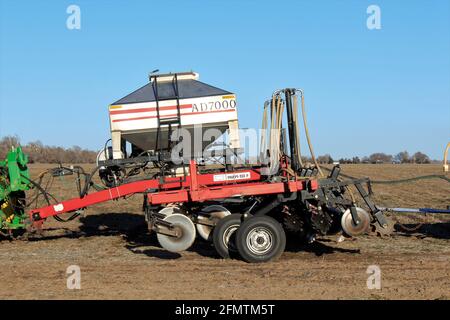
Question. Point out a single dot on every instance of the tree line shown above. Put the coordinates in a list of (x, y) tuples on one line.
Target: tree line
[(39, 153), (379, 157)]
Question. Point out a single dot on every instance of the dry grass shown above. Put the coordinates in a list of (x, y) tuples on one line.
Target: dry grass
[(118, 260), (422, 193)]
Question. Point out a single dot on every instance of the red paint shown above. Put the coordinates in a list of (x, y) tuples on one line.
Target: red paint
[(126, 111), (313, 185), (173, 115), (194, 187), (194, 175), (172, 190)]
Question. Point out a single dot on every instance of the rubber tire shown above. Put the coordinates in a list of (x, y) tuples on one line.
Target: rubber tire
[(271, 225), (219, 230)]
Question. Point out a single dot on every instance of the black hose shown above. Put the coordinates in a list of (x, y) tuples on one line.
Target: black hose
[(47, 199), (430, 176)]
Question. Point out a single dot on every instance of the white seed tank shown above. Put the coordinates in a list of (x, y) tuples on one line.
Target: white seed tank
[(171, 101)]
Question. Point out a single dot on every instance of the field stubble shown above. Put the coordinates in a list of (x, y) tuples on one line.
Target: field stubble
[(118, 260)]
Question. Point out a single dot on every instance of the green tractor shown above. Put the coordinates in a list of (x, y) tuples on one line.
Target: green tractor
[(14, 181)]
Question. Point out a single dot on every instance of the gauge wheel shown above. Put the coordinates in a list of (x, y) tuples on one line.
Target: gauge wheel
[(260, 239)]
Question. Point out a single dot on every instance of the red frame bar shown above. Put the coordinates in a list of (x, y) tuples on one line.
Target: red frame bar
[(195, 187)]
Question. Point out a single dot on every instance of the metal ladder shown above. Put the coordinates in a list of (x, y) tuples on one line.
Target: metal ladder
[(170, 122)]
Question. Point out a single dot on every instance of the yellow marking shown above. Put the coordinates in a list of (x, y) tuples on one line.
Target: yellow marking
[(228, 97), (115, 107)]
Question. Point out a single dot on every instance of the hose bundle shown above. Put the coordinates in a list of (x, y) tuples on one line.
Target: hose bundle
[(272, 149)]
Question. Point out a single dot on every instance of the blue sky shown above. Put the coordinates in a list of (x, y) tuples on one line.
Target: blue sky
[(366, 90)]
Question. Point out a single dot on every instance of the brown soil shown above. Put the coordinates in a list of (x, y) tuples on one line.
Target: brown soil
[(120, 260)]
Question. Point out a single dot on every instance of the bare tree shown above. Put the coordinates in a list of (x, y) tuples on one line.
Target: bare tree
[(6, 143), (356, 160), (38, 152), (380, 157), (402, 157), (325, 159), (420, 157)]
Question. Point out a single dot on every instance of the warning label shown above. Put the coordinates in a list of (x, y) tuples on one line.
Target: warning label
[(231, 176)]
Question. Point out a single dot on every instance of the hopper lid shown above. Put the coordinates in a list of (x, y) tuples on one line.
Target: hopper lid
[(188, 87)]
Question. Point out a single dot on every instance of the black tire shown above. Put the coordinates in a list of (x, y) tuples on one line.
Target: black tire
[(224, 237), (256, 229)]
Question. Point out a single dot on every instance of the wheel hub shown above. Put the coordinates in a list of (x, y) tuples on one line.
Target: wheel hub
[(228, 234), (259, 241)]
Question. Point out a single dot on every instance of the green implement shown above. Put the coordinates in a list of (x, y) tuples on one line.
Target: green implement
[(14, 181)]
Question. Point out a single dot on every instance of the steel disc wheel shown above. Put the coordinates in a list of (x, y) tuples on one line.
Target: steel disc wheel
[(260, 239), (349, 226), (211, 213), (186, 238), (169, 210)]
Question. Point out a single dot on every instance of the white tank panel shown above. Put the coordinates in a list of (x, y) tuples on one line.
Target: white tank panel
[(134, 118), (205, 110)]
